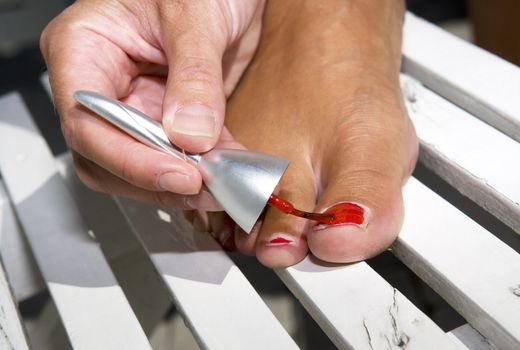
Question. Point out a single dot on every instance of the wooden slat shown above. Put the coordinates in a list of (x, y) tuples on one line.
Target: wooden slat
[(358, 309), (124, 252), (472, 78), (469, 338), (23, 274), (217, 302), (12, 336), (475, 272), (475, 158), (92, 306)]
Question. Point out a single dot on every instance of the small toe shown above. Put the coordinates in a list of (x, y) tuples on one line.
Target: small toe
[(281, 241)]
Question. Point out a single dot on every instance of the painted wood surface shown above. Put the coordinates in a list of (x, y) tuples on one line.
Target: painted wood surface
[(92, 306), (130, 263), (475, 158), (218, 304), (468, 338), (358, 309), (475, 272), (472, 78), (21, 270), (12, 336)]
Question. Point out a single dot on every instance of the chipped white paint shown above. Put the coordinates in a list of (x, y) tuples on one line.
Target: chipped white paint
[(470, 268), (218, 304), (477, 159), (358, 309), (12, 336), (472, 78)]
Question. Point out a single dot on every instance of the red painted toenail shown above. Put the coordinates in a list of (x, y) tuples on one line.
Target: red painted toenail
[(346, 213), (339, 214), (279, 240)]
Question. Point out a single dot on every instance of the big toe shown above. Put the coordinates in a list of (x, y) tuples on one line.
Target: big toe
[(371, 213), (365, 194)]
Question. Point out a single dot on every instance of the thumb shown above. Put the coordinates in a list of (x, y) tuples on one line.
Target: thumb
[(194, 101)]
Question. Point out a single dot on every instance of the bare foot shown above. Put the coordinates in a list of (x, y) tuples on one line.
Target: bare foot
[(323, 91)]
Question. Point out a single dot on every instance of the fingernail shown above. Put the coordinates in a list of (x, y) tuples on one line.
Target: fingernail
[(177, 183), (193, 120), (347, 213), (279, 239)]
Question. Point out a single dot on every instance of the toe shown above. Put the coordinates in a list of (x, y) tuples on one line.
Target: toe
[(367, 190), (281, 241), (374, 217)]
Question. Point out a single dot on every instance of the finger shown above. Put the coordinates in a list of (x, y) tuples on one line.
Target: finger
[(99, 179), (194, 102), (222, 227), (198, 218)]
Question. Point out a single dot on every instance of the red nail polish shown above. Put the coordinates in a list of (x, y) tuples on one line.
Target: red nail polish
[(279, 240), (341, 213), (346, 213)]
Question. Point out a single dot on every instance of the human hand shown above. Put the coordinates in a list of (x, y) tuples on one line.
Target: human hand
[(175, 60)]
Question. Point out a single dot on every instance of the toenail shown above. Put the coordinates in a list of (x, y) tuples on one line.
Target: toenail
[(346, 213), (280, 239)]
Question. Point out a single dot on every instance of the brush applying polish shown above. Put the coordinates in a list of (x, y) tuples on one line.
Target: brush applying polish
[(341, 213)]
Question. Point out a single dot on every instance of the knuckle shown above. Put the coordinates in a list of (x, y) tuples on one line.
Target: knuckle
[(197, 70)]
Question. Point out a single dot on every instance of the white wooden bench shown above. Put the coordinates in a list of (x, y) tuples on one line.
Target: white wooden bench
[(113, 266)]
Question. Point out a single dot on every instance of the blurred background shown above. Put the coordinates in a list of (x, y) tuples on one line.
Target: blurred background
[(493, 25)]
